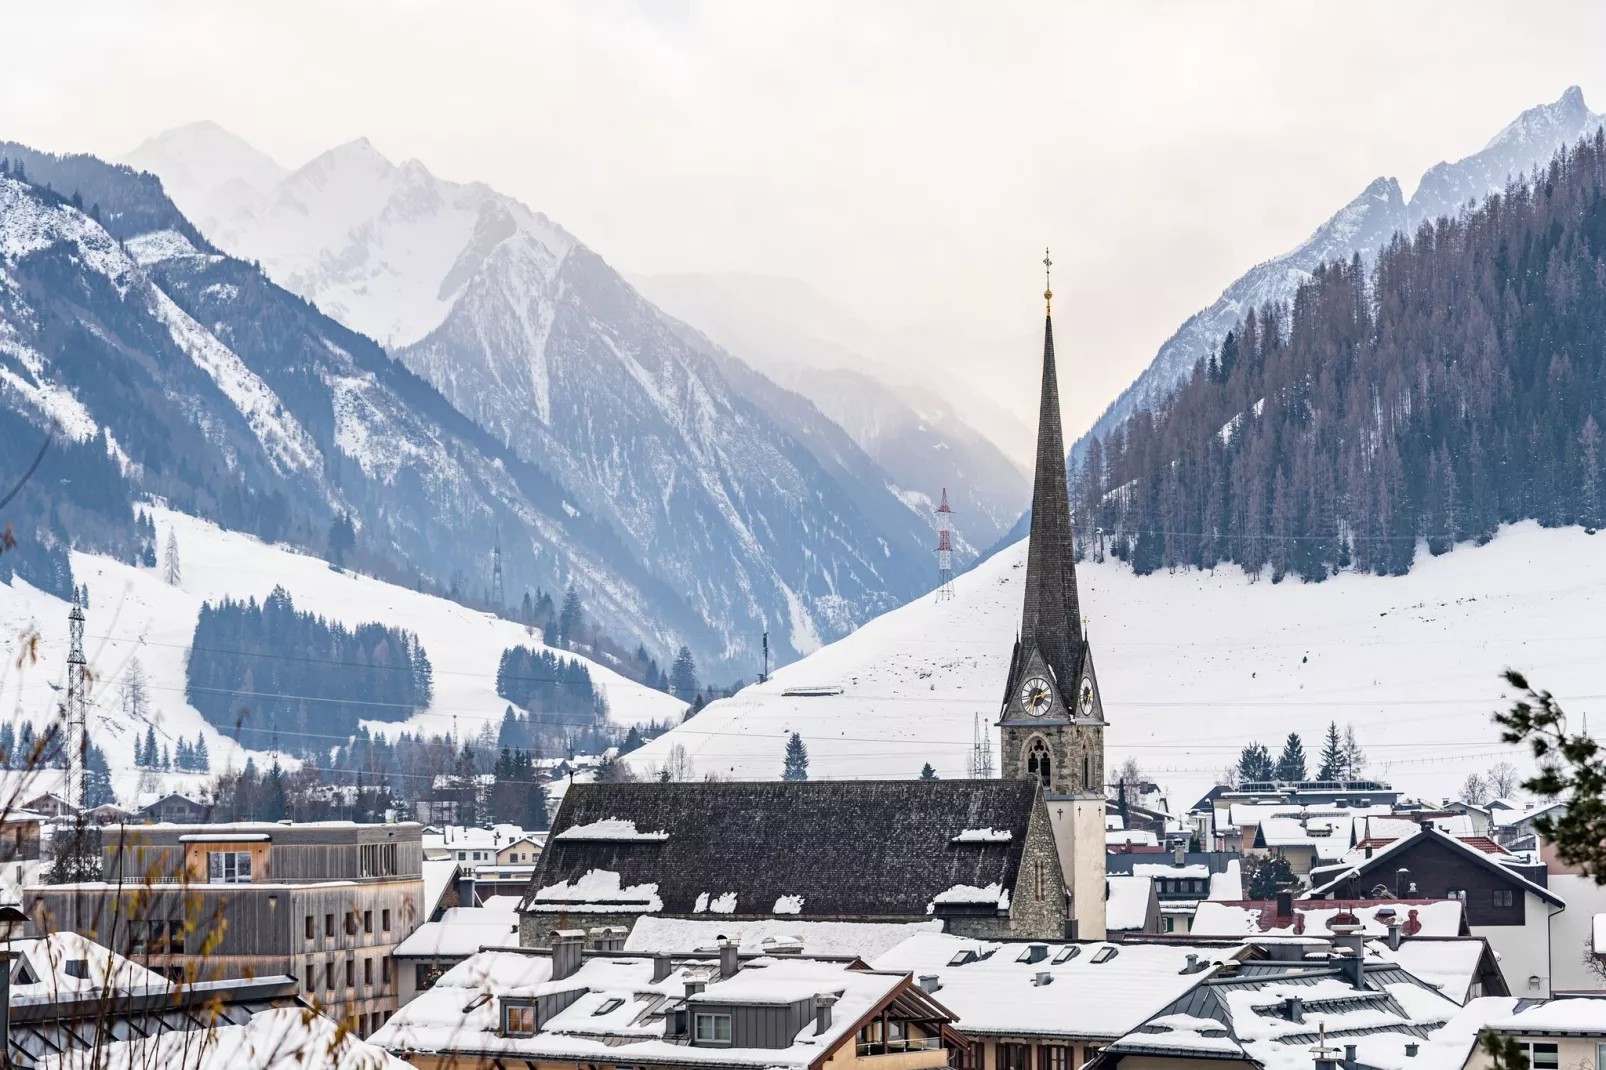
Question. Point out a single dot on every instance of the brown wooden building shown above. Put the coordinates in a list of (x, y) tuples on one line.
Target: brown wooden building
[(323, 902)]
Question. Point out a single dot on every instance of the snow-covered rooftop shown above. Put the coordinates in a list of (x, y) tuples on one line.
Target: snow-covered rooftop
[(1127, 907), (651, 935), (1098, 990), (461, 932), (289, 1038)]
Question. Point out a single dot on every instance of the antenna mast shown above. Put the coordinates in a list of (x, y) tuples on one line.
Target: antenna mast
[(77, 678), (981, 752), (945, 550)]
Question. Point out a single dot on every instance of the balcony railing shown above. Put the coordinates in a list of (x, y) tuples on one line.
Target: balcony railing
[(894, 1047)]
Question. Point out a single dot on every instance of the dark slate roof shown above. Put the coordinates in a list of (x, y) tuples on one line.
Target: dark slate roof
[(849, 848), (1326, 879), (1051, 618)]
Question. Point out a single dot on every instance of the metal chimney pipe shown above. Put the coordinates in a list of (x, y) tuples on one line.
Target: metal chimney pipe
[(822, 1012), (568, 946)]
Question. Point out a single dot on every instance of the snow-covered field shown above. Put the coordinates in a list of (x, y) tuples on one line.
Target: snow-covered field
[(134, 614), (1194, 665)]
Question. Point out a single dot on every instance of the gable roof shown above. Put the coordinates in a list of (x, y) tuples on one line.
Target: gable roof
[(1331, 876), (865, 849)]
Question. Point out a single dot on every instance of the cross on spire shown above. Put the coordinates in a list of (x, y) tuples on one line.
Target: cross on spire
[(1048, 289)]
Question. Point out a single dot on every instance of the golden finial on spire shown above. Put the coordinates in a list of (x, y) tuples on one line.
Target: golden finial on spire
[(1048, 289)]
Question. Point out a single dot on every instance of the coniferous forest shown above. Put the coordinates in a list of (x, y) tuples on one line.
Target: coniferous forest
[(1457, 384), (557, 693), (295, 681)]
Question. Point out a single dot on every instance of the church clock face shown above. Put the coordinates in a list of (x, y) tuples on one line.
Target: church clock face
[(1087, 698), (1036, 696)]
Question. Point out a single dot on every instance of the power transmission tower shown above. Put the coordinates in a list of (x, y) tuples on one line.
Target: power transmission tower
[(945, 550), (496, 571), (981, 752), (77, 678)]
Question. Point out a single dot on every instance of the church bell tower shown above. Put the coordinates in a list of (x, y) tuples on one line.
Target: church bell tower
[(1052, 718)]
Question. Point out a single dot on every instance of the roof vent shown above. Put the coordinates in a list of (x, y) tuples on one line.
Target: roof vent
[(1411, 1050), (693, 988), (1294, 1007), (1036, 952), (1043, 978), (822, 1012), (930, 982)]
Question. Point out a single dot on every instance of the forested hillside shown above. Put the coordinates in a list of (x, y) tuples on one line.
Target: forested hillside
[(1454, 386), (277, 677)]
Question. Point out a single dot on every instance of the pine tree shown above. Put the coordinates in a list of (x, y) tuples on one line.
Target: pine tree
[(633, 741), (927, 772), (1333, 766), (797, 759), (683, 676), (572, 618), (1291, 763), (342, 538), (167, 759), (172, 574), (1255, 764), (147, 759), (202, 761), (8, 746)]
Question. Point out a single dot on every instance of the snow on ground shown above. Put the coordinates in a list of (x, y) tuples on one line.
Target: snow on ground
[(133, 613), (1193, 665)]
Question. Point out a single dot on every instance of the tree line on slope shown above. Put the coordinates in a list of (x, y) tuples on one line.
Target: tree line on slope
[(278, 677), (1457, 384)]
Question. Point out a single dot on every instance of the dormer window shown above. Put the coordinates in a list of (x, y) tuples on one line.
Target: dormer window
[(712, 1028), (518, 1019)]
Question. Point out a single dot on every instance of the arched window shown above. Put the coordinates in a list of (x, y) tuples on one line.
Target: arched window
[(1037, 760)]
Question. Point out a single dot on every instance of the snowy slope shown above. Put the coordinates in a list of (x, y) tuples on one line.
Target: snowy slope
[(1194, 665), (134, 614), (1363, 226)]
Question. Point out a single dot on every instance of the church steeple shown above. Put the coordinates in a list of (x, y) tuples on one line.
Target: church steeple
[(1051, 617)]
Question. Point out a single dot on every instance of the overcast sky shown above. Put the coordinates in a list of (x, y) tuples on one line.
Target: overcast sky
[(908, 160)]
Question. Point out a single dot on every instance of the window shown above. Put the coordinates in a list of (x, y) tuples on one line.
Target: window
[(1054, 1057), (351, 923), (329, 976), (329, 926), (1600, 1057), (384, 920), (384, 970), (1169, 924), (426, 976), (312, 927), (1542, 1056), (1502, 897), (367, 971), (609, 1005), (312, 977), (1456, 893), (1037, 761), (1037, 874), (1088, 1053), (1067, 954), (1104, 954), (368, 921), (713, 1028), (351, 973), (175, 938), (228, 867), (518, 1019), (1014, 1057)]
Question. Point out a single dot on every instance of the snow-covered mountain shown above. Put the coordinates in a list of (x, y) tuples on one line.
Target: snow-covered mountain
[(133, 615), (792, 334), (538, 341), (1194, 665), (1363, 226), (177, 372)]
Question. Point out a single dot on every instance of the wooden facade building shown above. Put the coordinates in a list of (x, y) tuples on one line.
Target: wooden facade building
[(323, 902)]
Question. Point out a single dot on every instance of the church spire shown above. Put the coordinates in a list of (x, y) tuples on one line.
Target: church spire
[(1051, 619)]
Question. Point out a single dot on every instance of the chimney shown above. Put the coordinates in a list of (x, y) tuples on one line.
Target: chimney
[(930, 982), (822, 1012), (1349, 947), (1285, 904), (1295, 1008), (1180, 854), (1410, 1051), (693, 988), (1391, 920), (1193, 963), (567, 947), (727, 959), (1349, 1057), (662, 967)]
